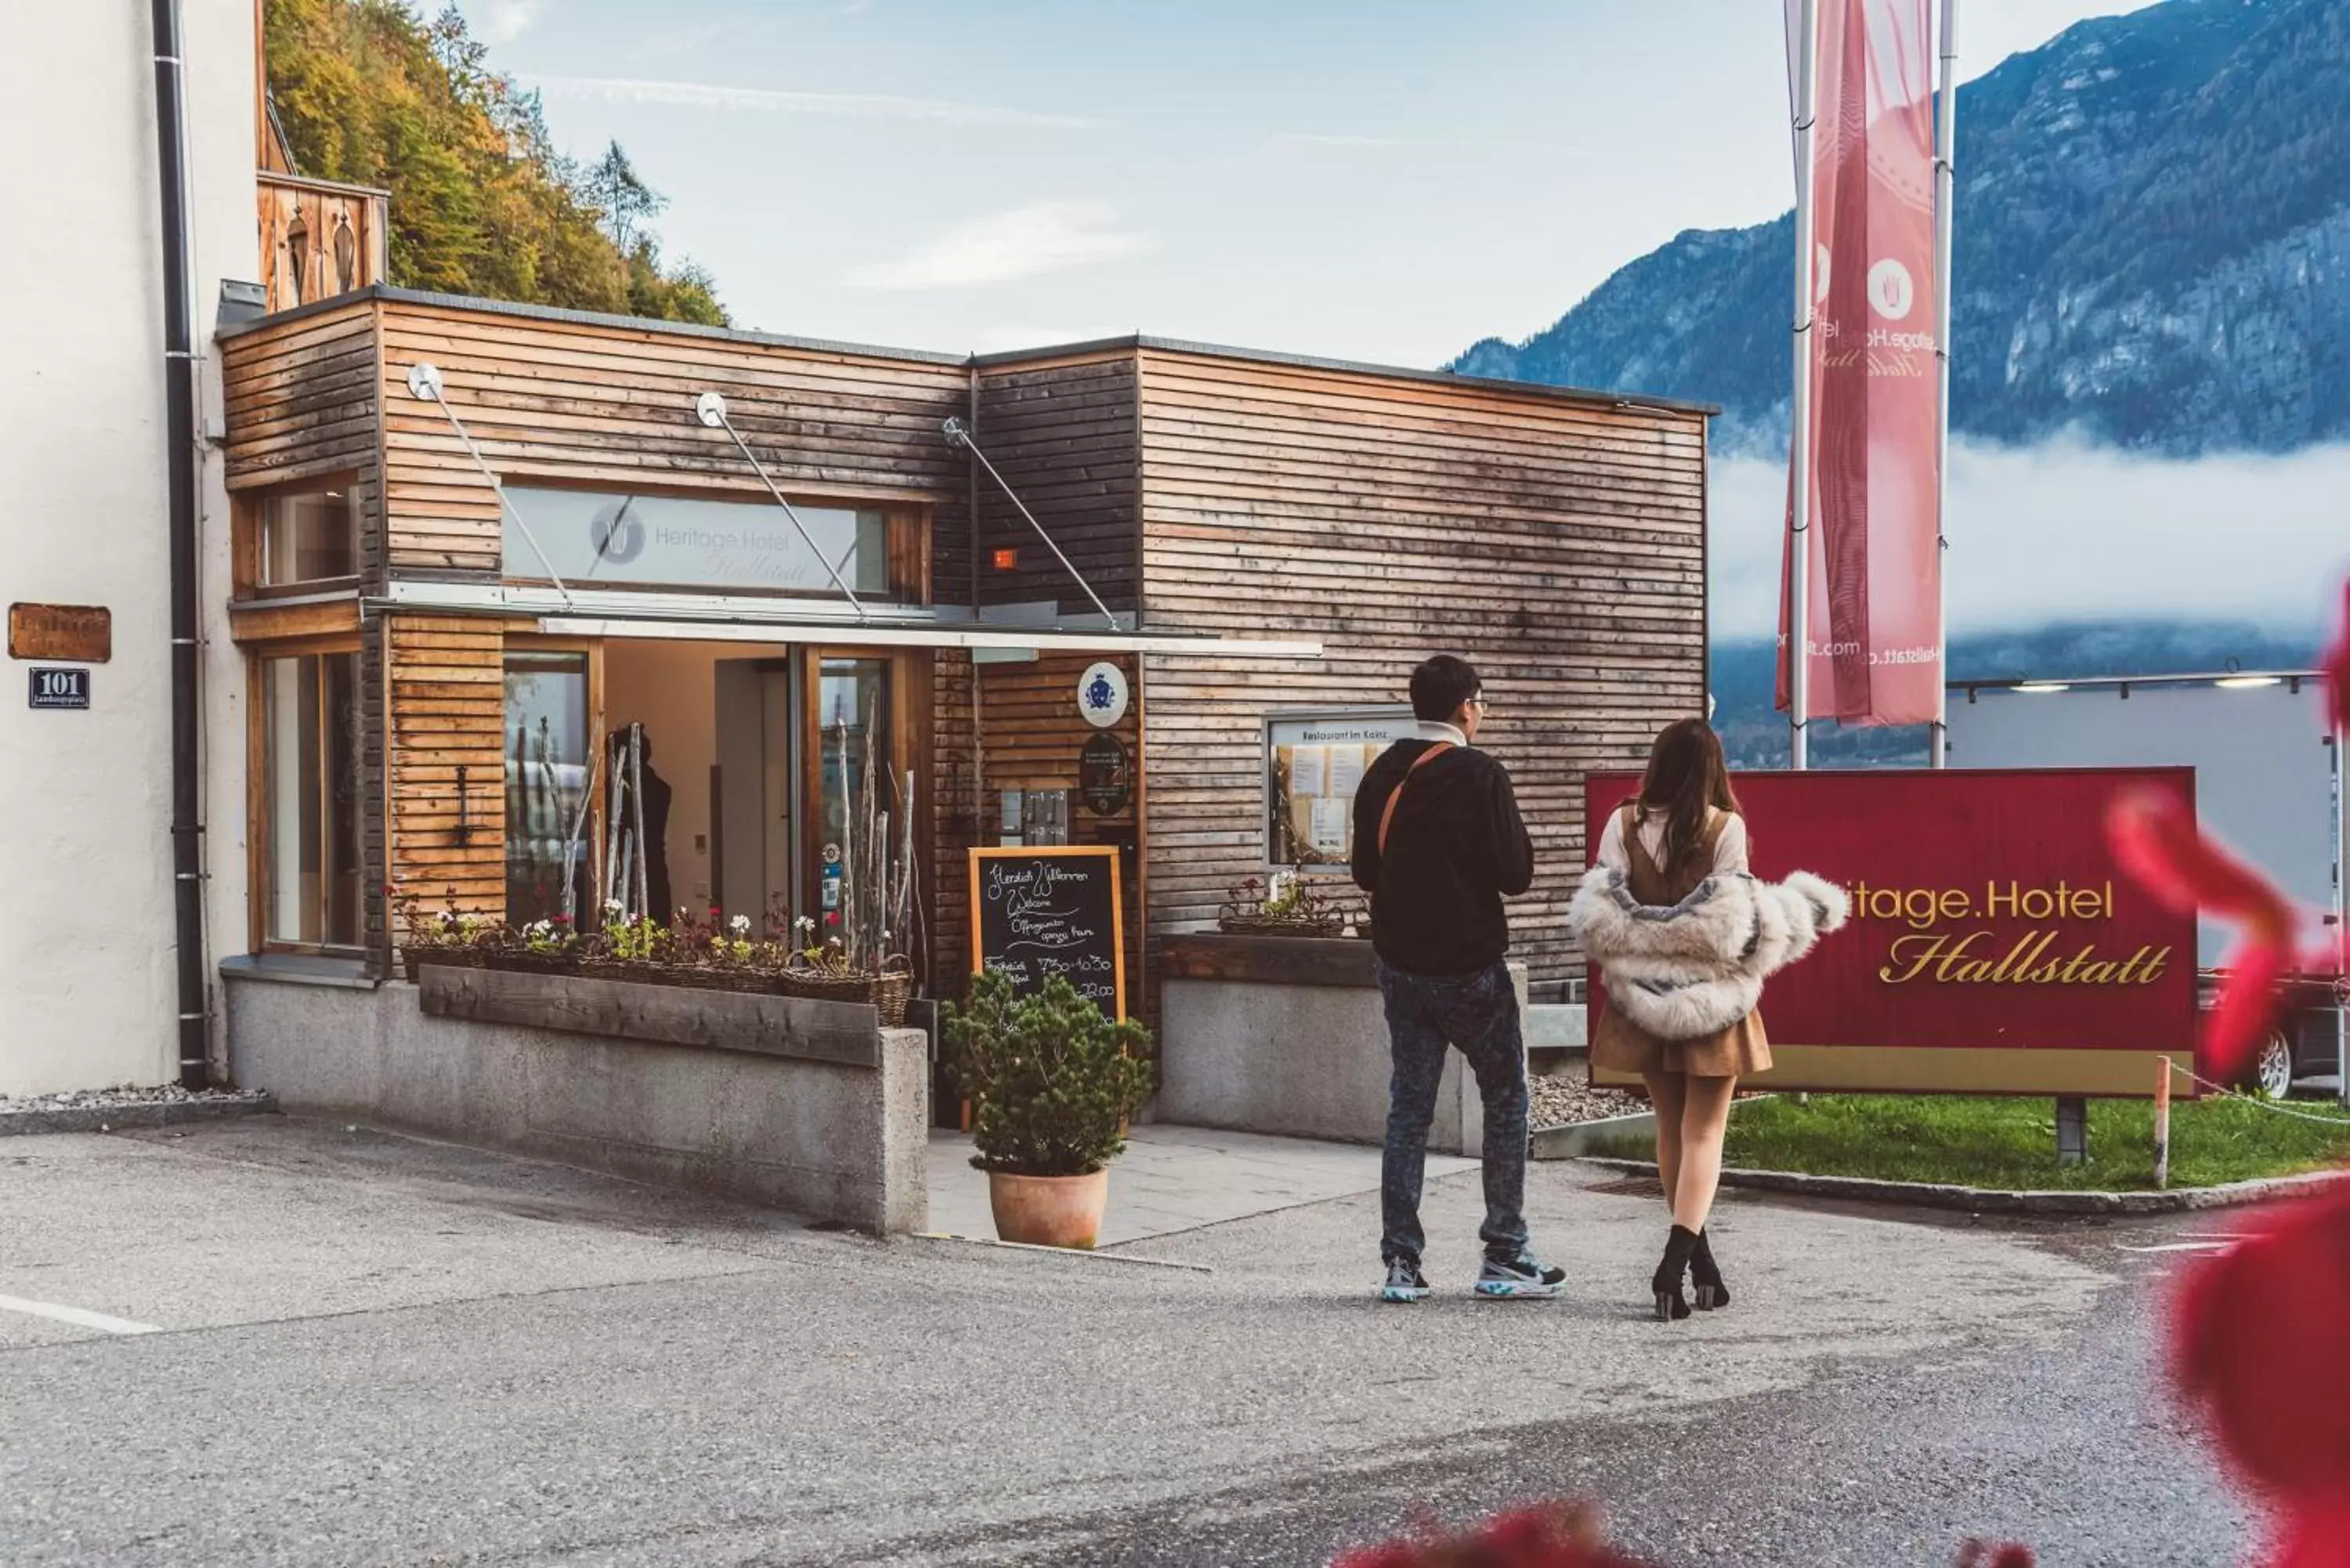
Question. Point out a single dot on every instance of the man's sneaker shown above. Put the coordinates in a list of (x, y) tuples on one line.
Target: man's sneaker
[(1505, 1279), (1405, 1282)]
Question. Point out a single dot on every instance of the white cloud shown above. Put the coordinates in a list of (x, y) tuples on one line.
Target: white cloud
[(776, 100), (1048, 236), (2066, 531), (503, 21)]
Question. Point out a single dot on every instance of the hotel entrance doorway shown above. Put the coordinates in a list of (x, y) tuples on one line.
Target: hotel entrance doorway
[(793, 739)]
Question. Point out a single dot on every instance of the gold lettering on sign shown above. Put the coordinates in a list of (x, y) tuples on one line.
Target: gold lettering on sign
[(1931, 951)]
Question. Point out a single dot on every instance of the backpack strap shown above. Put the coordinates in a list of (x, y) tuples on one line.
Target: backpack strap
[(1396, 793)]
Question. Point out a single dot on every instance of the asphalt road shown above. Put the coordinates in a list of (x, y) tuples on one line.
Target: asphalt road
[(369, 1350)]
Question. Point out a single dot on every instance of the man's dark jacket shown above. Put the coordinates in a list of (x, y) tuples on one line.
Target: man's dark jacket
[(1456, 844)]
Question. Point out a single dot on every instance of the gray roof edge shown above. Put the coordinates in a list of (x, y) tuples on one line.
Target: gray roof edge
[(1349, 367), (475, 303), (1129, 343)]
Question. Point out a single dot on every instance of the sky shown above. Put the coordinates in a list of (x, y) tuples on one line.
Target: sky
[(1364, 178), (1367, 180)]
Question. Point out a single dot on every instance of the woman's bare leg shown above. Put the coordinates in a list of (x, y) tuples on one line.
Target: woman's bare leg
[(1705, 1118), (1667, 1094)]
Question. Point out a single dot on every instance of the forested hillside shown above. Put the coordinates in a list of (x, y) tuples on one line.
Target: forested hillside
[(481, 202)]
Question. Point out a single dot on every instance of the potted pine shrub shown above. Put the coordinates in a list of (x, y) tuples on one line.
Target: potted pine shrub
[(1051, 1080)]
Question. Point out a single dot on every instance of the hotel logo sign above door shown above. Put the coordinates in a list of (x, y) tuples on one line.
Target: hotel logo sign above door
[(1102, 695), (597, 538)]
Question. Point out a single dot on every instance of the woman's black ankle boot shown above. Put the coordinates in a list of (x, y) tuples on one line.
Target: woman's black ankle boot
[(1705, 1274), (1672, 1304)]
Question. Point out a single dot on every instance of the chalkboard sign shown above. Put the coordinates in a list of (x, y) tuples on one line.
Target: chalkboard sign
[(1040, 911)]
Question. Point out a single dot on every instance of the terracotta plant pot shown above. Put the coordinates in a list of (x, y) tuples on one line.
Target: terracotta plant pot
[(1048, 1210)]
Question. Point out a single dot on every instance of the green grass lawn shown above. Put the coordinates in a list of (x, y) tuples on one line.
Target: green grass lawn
[(2012, 1143)]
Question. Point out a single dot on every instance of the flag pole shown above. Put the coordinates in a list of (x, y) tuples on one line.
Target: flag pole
[(1799, 554), (1946, 182)]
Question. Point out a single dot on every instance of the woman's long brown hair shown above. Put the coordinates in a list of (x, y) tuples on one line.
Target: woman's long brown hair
[(1686, 775)]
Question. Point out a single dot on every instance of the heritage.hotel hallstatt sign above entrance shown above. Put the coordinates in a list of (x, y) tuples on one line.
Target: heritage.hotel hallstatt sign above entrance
[(1994, 947)]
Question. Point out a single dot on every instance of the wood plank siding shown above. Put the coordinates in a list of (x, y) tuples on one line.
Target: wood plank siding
[(1030, 733), (1557, 544), (301, 397), (446, 734), (318, 239), (606, 406), (1063, 435), (1557, 539)]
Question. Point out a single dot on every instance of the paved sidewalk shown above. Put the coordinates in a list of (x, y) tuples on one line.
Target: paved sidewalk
[(1175, 1178), (360, 1350)]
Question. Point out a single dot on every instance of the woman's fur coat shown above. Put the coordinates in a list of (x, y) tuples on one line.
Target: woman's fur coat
[(1695, 969)]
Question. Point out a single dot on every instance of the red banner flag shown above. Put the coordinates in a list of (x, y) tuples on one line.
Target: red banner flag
[(1874, 613)]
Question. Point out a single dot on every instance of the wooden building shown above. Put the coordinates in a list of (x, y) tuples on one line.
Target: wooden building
[(1240, 534)]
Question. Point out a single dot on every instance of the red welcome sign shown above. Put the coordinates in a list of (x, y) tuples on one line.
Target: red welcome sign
[(1994, 946)]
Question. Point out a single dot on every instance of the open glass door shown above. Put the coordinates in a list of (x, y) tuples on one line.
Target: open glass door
[(852, 720)]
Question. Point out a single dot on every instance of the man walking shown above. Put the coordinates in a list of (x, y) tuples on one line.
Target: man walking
[(1438, 844)]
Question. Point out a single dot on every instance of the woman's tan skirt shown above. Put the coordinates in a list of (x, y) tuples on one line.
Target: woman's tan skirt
[(1620, 1045)]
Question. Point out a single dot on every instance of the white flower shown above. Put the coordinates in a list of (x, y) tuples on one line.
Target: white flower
[(739, 925), (612, 906)]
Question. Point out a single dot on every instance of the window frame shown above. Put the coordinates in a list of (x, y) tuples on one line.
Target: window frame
[(592, 651), (249, 551), (906, 535), (260, 880)]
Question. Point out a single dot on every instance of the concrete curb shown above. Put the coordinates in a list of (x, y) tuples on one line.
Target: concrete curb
[(1992, 1200), (128, 1117), (1574, 1140)]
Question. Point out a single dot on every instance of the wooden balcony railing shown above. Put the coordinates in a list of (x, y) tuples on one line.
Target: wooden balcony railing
[(319, 239)]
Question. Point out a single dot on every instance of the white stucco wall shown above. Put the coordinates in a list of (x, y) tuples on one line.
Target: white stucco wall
[(87, 994)]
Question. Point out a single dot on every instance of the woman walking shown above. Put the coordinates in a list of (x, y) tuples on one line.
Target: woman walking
[(1684, 935)]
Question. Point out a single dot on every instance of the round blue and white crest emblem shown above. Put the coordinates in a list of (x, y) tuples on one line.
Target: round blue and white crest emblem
[(1101, 695)]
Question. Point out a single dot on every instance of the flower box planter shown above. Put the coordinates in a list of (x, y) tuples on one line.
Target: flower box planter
[(887, 993), (1279, 926), (413, 959)]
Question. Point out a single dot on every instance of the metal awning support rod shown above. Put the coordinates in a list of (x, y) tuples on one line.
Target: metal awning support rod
[(711, 410), (959, 434), (424, 384)]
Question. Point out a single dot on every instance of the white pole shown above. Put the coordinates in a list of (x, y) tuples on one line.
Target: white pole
[(1946, 182), (1799, 582)]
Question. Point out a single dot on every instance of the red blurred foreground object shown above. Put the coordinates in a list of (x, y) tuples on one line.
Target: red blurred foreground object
[(1985, 1554), (2257, 1342), (1567, 1535), (1551, 1535), (2161, 848)]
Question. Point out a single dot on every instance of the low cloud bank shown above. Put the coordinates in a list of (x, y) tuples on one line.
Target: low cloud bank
[(2070, 531)]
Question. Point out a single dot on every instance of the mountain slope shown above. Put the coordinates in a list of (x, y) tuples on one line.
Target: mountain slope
[(2097, 285)]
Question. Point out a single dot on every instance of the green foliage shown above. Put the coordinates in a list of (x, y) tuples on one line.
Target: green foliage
[(1051, 1079), (2012, 1143), (482, 203)]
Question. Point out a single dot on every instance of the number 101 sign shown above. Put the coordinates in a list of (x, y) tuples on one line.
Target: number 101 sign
[(59, 687)]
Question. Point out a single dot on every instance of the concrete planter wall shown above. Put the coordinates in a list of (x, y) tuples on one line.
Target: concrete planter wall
[(1288, 1035), (809, 1105)]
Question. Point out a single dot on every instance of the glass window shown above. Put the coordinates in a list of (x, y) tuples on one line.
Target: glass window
[(663, 541), (307, 537), (310, 799), (546, 784), (853, 735)]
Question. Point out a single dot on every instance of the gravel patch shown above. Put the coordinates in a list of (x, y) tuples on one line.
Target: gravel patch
[(125, 1105), (1563, 1098)]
